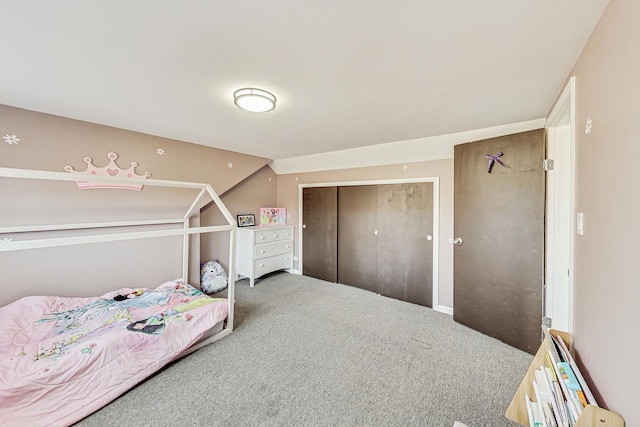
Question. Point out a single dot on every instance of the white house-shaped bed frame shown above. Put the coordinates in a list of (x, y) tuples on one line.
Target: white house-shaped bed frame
[(185, 231)]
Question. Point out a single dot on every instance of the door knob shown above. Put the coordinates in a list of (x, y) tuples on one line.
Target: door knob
[(457, 241)]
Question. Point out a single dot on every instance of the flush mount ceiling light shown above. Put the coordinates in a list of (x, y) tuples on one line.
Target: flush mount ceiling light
[(254, 100)]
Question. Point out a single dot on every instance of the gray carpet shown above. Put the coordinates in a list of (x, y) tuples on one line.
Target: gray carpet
[(310, 353)]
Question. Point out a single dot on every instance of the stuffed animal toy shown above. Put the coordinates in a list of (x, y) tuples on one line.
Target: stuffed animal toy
[(212, 277)]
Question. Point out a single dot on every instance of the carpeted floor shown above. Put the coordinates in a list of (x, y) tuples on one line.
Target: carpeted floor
[(310, 353)]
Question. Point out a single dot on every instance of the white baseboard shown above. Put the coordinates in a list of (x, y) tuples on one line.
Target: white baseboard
[(294, 271), (444, 309)]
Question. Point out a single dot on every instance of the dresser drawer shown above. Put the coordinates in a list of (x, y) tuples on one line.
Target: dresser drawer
[(274, 248), (267, 265), (264, 236)]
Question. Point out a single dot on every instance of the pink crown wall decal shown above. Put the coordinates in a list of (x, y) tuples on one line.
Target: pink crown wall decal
[(111, 170)]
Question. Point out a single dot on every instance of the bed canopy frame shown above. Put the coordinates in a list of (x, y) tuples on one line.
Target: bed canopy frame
[(10, 244)]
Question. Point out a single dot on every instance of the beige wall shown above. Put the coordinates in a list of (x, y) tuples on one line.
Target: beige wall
[(607, 269), (288, 190), (50, 143), (259, 190)]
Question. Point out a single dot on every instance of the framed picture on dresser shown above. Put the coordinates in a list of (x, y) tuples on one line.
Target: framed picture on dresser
[(246, 220), (273, 216)]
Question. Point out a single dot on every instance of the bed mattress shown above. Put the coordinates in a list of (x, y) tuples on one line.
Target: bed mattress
[(63, 358)]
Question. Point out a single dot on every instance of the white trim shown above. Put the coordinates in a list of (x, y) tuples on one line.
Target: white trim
[(444, 309), (564, 113), (369, 182), (563, 110), (436, 220), (413, 150)]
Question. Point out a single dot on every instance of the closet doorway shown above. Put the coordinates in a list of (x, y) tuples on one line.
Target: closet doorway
[(380, 236)]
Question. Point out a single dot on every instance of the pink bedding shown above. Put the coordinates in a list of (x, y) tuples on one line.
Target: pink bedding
[(64, 358)]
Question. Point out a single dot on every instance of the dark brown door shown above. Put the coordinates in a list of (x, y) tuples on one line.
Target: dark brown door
[(405, 246), (384, 240), (320, 233), (498, 268), (357, 241)]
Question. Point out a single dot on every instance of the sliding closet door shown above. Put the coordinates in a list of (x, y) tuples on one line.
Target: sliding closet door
[(357, 240), (405, 245), (320, 233), (373, 237)]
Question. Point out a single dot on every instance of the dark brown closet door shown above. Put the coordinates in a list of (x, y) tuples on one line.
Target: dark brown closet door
[(320, 233), (405, 251), (498, 268), (357, 241)]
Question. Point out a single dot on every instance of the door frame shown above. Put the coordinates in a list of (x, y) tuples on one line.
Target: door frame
[(558, 297), (436, 223)]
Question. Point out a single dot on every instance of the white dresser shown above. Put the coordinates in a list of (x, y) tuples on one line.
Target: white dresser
[(263, 249)]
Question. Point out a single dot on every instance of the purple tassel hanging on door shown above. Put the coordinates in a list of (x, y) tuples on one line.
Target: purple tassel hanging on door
[(493, 159)]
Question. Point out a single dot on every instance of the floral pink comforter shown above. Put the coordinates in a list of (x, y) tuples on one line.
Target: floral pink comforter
[(63, 358)]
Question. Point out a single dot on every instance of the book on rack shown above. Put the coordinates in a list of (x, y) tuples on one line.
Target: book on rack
[(586, 396), (549, 394), (533, 412), (546, 415), (560, 397)]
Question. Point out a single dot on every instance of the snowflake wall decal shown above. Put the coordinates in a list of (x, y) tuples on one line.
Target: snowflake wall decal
[(11, 139), (229, 165), (6, 240), (160, 151), (587, 129)]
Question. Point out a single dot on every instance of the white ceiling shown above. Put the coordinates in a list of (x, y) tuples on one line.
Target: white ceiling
[(347, 74)]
